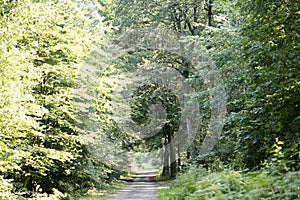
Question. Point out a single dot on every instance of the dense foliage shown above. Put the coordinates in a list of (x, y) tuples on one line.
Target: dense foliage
[(255, 46), (42, 151), (59, 78), (228, 184)]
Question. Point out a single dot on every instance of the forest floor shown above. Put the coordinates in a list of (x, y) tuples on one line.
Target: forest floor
[(139, 187)]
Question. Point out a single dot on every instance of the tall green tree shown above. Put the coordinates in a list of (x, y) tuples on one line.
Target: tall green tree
[(42, 150), (271, 98), (189, 19)]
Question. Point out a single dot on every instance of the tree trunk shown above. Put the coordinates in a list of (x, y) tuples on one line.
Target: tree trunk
[(172, 155), (173, 161), (166, 163), (209, 12), (178, 159)]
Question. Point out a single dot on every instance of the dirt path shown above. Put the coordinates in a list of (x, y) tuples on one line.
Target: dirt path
[(140, 187)]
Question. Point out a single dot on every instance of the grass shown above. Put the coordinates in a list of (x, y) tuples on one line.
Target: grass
[(94, 194), (93, 197)]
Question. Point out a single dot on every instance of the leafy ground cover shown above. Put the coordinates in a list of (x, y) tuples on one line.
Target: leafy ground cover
[(199, 183), (94, 194)]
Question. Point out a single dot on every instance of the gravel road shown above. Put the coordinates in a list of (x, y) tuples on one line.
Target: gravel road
[(141, 186)]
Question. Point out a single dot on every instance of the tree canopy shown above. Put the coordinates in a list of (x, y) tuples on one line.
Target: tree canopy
[(204, 85)]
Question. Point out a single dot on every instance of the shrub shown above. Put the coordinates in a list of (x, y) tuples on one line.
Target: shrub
[(200, 184)]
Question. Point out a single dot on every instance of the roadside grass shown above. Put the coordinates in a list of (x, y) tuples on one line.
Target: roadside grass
[(95, 194)]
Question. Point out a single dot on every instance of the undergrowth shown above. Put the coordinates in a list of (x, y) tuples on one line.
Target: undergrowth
[(198, 184), (95, 194)]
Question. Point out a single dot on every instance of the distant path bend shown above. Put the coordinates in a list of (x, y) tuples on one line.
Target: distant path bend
[(141, 186)]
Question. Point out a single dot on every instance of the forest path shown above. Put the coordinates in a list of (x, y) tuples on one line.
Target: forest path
[(141, 186)]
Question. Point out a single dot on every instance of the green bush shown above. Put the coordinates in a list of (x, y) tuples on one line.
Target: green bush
[(5, 189), (200, 184)]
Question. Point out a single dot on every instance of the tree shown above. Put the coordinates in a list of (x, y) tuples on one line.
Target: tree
[(270, 52), (41, 147), (189, 19), (146, 96)]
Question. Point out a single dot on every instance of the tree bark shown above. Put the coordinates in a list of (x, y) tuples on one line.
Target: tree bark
[(173, 167), (178, 159), (166, 163), (209, 12)]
